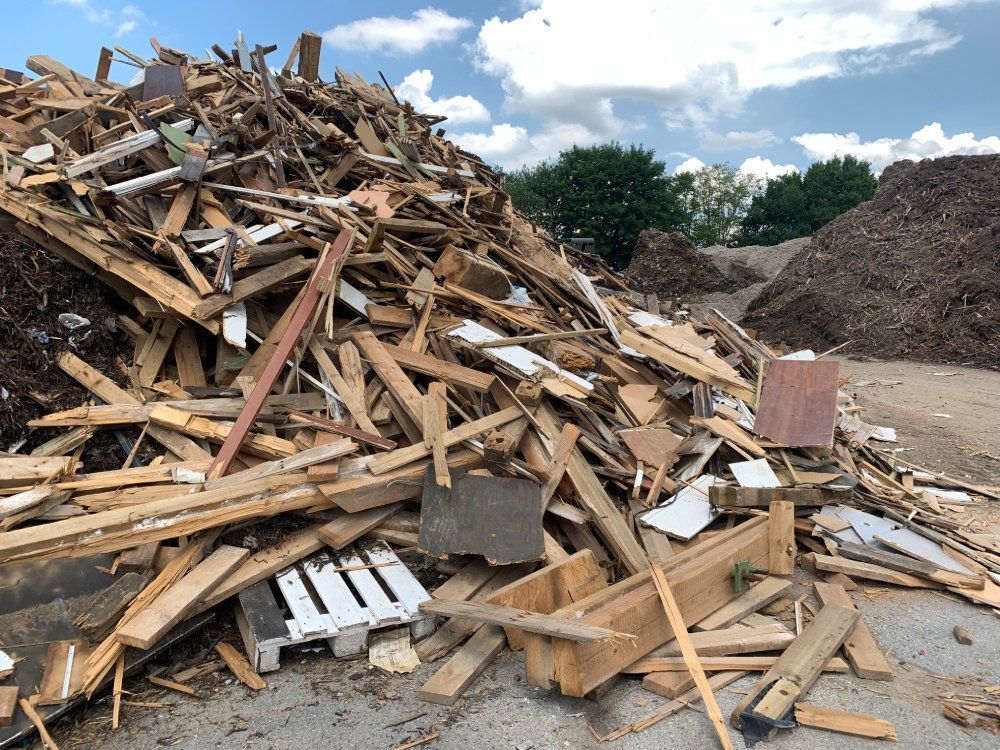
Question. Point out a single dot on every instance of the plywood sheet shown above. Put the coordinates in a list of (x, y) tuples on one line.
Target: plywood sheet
[(798, 403), (496, 517)]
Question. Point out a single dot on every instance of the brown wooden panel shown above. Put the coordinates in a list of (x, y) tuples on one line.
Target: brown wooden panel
[(798, 403)]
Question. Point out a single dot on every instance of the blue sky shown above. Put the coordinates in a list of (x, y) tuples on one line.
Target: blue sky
[(768, 86)]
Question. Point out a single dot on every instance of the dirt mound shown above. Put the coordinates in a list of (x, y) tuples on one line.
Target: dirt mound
[(751, 267), (669, 265), (913, 273), (35, 289)]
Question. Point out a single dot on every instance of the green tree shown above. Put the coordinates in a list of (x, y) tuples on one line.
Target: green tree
[(607, 192), (797, 205), (716, 199)]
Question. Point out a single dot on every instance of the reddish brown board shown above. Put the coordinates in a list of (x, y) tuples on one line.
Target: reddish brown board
[(798, 403)]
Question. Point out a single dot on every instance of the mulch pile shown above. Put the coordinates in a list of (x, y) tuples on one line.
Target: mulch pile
[(35, 289), (911, 274), (669, 265)]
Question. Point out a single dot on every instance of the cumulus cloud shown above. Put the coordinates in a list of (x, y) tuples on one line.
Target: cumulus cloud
[(691, 164), (416, 89), (512, 146), (124, 20), (928, 142), (425, 27), (738, 139), (569, 60), (765, 169)]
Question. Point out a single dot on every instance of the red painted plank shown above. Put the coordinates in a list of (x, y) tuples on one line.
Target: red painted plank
[(302, 315)]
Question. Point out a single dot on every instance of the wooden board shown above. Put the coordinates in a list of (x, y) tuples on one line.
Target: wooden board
[(719, 664), (799, 666), (497, 517), (8, 704), (448, 683), (798, 403), (844, 722), (731, 496), (781, 560), (760, 595), (350, 526), (170, 607), (862, 650), (701, 579)]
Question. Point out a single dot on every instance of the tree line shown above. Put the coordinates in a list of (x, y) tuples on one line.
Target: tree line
[(611, 193)]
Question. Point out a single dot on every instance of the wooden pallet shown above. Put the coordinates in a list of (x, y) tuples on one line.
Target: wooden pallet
[(341, 607)]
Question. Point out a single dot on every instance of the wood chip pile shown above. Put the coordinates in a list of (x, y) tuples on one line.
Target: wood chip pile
[(337, 317)]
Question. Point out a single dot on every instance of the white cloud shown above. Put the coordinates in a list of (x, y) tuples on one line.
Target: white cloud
[(738, 139), (928, 142), (416, 88), (512, 146), (423, 28), (691, 164), (569, 60), (125, 20), (765, 169)]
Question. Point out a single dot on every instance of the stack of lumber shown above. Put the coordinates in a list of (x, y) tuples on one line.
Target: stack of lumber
[(338, 316)]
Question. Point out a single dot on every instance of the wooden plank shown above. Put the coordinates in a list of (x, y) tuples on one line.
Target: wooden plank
[(189, 368), (737, 639), (390, 373), (170, 607), (798, 667), (264, 564), (781, 556), (403, 456), (731, 496), (562, 452), (446, 686), (701, 579), (731, 432), (440, 370), (239, 666), (592, 497), (798, 403), (720, 664), (550, 588), (862, 651), (677, 361), (750, 601), (844, 722), (857, 569), (252, 285), (532, 622), (350, 526), (690, 656), (310, 47), (303, 313)]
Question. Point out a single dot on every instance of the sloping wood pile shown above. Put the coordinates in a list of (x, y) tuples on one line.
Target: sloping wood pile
[(338, 313)]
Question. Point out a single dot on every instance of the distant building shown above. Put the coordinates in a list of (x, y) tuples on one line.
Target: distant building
[(583, 244)]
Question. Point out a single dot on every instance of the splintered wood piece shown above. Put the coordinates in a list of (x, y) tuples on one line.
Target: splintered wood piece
[(35, 719), (844, 722), (170, 607), (562, 452), (862, 651), (690, 655), (433, 404), (798, 403), (239, 666)]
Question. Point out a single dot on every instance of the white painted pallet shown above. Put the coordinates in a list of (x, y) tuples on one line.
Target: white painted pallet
[(339, 606)]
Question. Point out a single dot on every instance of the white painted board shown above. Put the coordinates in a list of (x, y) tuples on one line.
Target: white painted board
[(756, 473), (686, 513)]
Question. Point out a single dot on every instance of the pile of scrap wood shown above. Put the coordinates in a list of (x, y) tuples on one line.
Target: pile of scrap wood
[(339, 319)]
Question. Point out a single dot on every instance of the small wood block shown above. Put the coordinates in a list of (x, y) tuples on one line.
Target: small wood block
[(8, 704), (498, 447), (529, 392), (963, 636)]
